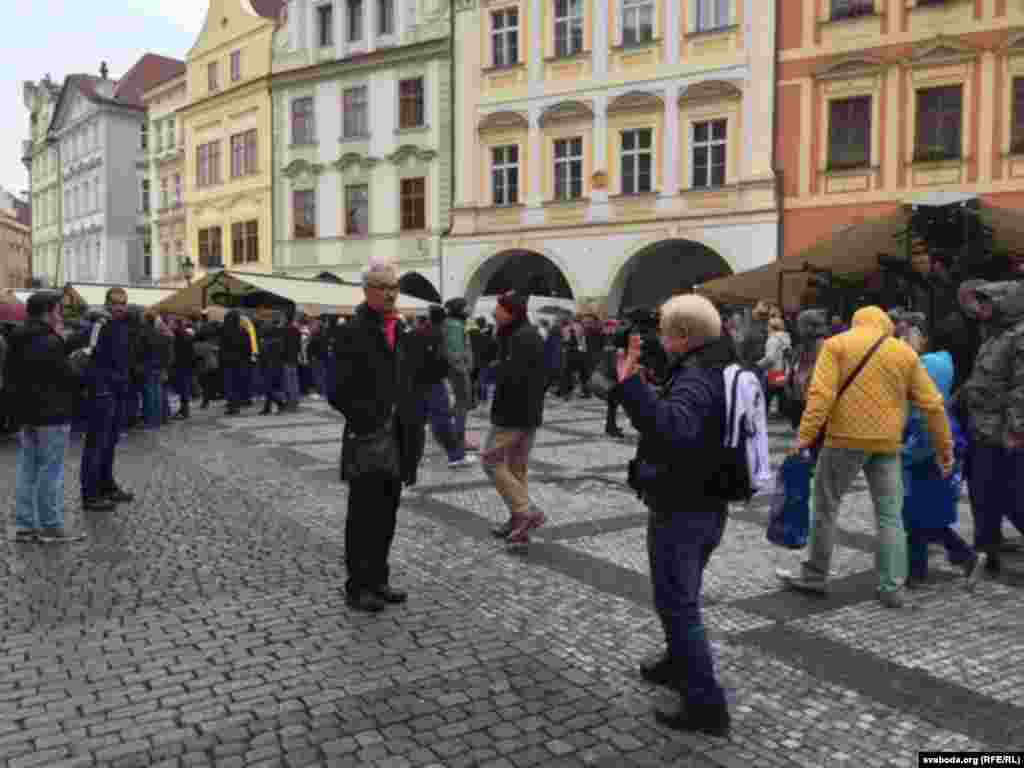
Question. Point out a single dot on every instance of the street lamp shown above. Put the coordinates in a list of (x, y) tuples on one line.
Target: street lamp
[(188, 270)]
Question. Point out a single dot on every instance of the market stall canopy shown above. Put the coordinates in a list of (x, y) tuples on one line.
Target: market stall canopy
[(245, 290), (95, 294), (852, 251)]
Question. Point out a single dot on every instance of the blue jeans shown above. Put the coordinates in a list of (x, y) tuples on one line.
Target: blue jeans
[(39, 488), (917, 547), (100, 445), (679, 545), (152, 400), (439, 413), (291, 384)]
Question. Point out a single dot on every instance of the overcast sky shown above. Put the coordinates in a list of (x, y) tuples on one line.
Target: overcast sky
[(68, 36)]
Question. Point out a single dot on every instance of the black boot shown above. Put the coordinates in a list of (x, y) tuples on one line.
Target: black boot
[(711, 719), (664, 671)]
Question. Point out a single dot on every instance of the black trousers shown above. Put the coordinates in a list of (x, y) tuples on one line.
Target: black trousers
[(369, 530), (612, 412)]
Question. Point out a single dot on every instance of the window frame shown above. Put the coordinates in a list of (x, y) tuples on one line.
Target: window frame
[(244, 154), (235, 65), (937, 152), (212, 77), (386, 11), (359, 18), (419, 99), (306, 119), (566, 190), (308, 209), (325, 25), (637, 8), (634, 156), (506, 169), (413, 204), (145, 192), (850, 9), (504, 39), (709, 144), (1017, 115), (346, 107), (214, 258), (572, 24), (708, 15), (245, 241), (350, 191), (848, 128)]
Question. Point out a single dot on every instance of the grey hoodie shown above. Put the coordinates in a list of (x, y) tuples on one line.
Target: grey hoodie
[(994, 394)]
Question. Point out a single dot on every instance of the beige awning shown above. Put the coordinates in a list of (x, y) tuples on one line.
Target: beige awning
[(313, 297), (852, 251), (95, 294)]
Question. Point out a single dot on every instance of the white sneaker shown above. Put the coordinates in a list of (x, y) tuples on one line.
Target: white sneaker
[(315, 396), (468, 461)]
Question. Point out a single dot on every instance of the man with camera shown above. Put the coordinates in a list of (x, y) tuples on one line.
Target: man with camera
[(682, 428)]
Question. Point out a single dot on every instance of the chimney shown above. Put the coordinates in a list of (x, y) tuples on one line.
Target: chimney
[(103, 70)]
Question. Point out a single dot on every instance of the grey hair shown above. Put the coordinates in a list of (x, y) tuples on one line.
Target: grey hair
[(379, 266), (693, 316)]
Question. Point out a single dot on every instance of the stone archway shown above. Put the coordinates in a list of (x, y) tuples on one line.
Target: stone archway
[(662, 270), (520, 270)]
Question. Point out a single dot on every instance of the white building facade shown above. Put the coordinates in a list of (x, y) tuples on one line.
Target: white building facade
[(42, 161)]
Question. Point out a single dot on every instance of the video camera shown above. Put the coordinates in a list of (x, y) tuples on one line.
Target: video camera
[(644, 323)]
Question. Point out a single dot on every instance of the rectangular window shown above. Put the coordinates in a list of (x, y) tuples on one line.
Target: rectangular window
[(1017, 129), (637, 161), (505, 37), (243, 154), (245, 242), (325, 25), (304, 214), (169, 128), (354, 17), (302, 121), (410, 103), (637, 21), (849, 133), (236, 66), (165, 195), (385, 17), (158, 147), (709, 152), (147, 257), (208, 164), (212, 78), (939, 118), (568, 168), (414, 204), (505, 175), (355, 117), (210, 252), (712, 14), (145, 195), (144, 136), (568, 27), (850, 9), (357, 210), (177, 190)]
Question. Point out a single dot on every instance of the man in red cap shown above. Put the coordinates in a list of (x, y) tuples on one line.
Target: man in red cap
[(516, 414)]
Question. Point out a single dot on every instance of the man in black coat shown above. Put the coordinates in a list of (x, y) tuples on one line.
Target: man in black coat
[(382, 374), (184, 366), (516, 415)]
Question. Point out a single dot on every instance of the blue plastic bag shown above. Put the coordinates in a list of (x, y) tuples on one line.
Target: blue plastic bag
[(790, 520)]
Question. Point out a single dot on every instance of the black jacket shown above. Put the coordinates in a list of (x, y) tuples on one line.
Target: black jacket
[(234, 342), (291, 345), (682, 425), (374, 382), (184, 351), (521, 378), (42, 384), (272, 348)]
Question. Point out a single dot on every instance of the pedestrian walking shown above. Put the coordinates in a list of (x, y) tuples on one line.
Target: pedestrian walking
[(43, 387), (235, 352), (682, 426), (878, 377), (184, 366), (459, 354), (516, 414)]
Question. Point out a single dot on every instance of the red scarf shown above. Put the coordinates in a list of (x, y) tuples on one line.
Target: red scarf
[(391, 329)]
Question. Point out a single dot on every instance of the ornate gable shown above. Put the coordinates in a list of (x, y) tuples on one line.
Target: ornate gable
[(849, 67), (408, 152), (350, 159), (503, 121), (566, 112), (711, 90), (300, 167), (636, 101), (942, 50)]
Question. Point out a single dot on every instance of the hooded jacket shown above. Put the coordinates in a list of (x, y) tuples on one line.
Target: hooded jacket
[(872, 413), (994, 394)]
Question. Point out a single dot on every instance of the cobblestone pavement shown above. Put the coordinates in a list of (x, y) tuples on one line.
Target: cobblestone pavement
[(204, 624)]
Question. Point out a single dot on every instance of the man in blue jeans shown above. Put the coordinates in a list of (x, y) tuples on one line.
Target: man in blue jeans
[(43, 387)]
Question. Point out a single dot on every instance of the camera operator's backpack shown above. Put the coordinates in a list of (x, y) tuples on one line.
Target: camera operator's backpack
[(743, 465)]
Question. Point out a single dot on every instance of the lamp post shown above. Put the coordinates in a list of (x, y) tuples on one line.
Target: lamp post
[(188, 270)]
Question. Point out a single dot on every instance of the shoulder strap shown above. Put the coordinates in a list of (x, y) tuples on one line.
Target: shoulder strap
[(860, 366)]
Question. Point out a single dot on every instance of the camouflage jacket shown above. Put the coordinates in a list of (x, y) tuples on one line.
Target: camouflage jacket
[(994, 394)]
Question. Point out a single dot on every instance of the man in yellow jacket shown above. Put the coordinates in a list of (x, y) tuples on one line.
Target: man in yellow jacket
[(864, 431)]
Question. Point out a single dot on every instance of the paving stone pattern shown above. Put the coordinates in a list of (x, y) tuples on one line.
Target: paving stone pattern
[(204, 624)]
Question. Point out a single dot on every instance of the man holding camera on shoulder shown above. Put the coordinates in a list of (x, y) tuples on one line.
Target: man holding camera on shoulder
[(682, 428)]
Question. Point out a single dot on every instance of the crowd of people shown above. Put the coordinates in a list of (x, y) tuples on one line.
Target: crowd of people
[(913, 405)]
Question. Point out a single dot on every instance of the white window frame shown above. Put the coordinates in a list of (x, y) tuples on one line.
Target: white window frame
[(324, 32), (710, 15), (568, 161), (709, 144), (502, 37), (634, 155), (346, 134), (505, 169), (637, 9), (571, 21), (365, 189), (359, 25), (386, 11)]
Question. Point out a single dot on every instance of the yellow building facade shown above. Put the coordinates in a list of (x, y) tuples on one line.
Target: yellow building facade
[(227, 125), (615, 152), (166, 140)]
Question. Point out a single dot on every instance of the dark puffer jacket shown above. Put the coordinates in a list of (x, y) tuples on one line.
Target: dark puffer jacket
[(522, 378), (42, 384)]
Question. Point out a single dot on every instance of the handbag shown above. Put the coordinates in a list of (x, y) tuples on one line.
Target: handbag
[(790, 518), (776, 379), (819, 441), (375, 453)]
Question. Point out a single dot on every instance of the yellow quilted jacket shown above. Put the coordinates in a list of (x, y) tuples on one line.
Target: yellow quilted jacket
[(873, 411)]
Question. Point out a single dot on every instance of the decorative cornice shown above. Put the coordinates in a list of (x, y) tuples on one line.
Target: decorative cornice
[(502, 121), (711, 90), (941, 50), (636, 101), (354, 158), (410, 151), (566, 111), (1014, 43), (848, 67), (299, 167)]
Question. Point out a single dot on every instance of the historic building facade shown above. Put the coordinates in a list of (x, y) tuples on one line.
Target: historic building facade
[(886, 102), (16, 253), (166, 176), (613, 151), (227, 129), (362, 128), (42, 161)]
